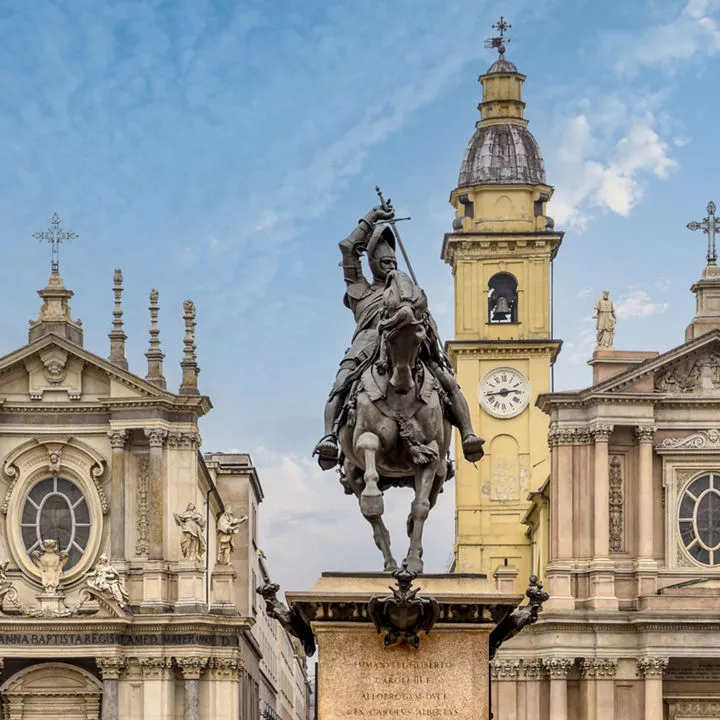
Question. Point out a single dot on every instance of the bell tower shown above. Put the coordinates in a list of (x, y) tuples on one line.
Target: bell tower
[(501, 250)]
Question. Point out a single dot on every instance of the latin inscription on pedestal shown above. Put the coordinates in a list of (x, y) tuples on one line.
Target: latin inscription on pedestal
[(447, 677)]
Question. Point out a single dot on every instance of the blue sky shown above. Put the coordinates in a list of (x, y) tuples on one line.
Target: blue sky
[(220, 150)]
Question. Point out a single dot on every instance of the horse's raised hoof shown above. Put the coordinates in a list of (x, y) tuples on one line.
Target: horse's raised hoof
[(390, 566), (372, 505), (414, 564), (472, 447), (327, 452)]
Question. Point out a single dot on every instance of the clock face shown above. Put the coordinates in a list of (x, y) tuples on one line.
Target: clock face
[(504, 392)]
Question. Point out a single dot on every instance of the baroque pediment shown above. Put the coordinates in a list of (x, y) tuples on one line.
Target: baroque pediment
[(52, 369)]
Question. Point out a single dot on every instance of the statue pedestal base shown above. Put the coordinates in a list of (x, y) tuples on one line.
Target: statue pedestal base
[(446, 676), (222, 584), (51, 604), (190, 586)]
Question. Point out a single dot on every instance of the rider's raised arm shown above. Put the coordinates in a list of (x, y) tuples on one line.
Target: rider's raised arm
[(355, 244)]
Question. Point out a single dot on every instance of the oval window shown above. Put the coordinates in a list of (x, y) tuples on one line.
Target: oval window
[(699, 519), (56, 509)]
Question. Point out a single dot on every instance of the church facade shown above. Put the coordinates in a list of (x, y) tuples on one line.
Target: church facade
[(610, 494), (128, 559)]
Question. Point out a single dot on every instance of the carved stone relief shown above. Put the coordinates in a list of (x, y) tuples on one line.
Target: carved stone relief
[(617, 506), (693, 709), (142, 488), (700, 440), (693, 375)]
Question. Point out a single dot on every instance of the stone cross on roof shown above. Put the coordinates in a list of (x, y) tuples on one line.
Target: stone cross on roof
[(710, 225), (55, 235)]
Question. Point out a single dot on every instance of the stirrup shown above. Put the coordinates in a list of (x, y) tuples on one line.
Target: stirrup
[(327, 458)]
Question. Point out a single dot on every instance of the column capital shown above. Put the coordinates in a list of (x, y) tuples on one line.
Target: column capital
[(645, 433), (505, 669), (601, 432), (565, 435), (532, 669), (598, 667), (184, 440), (191, 667), (225, 668), (118, 439), (156, 668), (558, 668), (110, 667), (156, 436), (651, 667)]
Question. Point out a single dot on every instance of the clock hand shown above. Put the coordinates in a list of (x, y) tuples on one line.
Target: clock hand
[(502, 392)]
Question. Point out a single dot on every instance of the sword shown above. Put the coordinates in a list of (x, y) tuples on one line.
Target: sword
[(385, 204)]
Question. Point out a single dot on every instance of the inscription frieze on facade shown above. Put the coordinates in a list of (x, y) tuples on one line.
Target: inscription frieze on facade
[(617, 505)]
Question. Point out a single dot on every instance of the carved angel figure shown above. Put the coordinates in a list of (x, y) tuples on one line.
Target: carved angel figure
[(50, 563), (192, 525), (106, 580), (228, 526)]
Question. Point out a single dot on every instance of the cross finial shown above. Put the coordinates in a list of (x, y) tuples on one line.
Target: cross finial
[(502, 26), (709, 225), (55, 235)]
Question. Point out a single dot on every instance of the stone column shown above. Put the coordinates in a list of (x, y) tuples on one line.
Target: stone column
[(652, 669), (224, 691), (598, 674), (156, 511), (110, 669), (558, 669), (191, 668), (504, 674), (118, 440)]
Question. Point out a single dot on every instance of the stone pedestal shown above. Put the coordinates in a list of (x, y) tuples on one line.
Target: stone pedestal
[(222, 588), (190, 586), (446, 676)]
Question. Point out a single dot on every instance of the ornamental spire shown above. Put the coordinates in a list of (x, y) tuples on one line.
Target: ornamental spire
[(188, 364), (154, 354), (502, 26), (55, 235), (117, 335), (709, 225)]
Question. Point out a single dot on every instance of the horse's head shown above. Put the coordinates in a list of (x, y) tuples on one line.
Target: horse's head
[(402, 328)]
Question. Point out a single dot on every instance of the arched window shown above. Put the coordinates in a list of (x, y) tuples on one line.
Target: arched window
[(699, 519), (502, 299)]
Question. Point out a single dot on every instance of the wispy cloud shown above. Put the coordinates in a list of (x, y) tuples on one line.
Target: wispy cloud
[(637, 304), (693, 32), (604, 156)]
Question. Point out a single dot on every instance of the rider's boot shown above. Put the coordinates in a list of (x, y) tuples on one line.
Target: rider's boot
[(327, 451), (472, 445)]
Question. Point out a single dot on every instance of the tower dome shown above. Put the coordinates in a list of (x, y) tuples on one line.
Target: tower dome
[(502, 155)]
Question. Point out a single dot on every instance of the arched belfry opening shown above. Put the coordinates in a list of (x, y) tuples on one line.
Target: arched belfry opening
[(502, 299)]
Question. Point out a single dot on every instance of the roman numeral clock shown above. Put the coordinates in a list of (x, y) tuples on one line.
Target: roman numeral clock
[(504, 392)]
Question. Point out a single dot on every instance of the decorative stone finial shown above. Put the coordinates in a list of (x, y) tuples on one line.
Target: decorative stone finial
[(154, 355), (188, 364), (117, 335)]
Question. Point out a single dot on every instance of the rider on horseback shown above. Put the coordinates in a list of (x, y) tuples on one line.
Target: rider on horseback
[(365, 299)]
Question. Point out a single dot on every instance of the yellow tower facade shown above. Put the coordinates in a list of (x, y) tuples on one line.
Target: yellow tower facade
[(501, 252)]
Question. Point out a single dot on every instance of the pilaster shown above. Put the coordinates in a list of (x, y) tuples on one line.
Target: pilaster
[(156, 439), (533, 672), (653, 669), (505, 675), (118, 442), (646, 564), (602, 576), (158, 688), (224, 690), (558, 670), (599, 685)]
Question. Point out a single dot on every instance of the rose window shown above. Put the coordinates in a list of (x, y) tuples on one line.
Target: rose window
[(56, 509), (699, 519)]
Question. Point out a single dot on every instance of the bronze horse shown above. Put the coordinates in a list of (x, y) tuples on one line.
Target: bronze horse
[(395, 432)]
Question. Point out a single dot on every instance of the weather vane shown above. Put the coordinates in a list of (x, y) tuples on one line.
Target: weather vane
[(710, 225), (55, 235), (499, 41)]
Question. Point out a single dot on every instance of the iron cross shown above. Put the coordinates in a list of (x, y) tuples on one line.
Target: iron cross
[(499, 41), (55, 235), (710, 225)]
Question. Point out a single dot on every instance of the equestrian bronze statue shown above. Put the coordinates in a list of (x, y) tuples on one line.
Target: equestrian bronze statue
[(389, 415)]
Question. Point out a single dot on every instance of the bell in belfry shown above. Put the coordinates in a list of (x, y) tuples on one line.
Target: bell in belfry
[(502, 308)]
